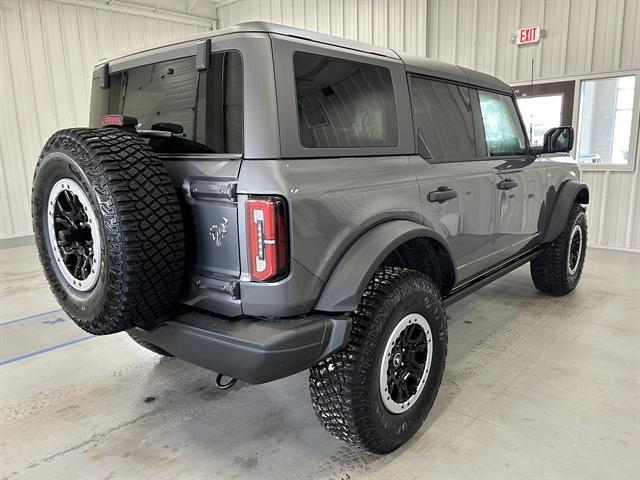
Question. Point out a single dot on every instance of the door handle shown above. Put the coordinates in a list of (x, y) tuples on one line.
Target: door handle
[(507, 184), (443, 194)]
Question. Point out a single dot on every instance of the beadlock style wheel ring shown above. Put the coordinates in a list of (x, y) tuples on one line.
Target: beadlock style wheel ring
[(73, 234), (406, 363), (575, 249)]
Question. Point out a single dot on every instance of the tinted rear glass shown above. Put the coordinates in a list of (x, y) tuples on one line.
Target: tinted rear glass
[(203, 109), (442, 118), (344, 104)]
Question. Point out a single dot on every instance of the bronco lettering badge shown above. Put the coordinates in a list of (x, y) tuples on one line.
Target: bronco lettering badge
[(219, 231)]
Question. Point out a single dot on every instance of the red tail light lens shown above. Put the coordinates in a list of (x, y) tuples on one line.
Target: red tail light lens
[(118, 121), (112, 120), (267, 238)]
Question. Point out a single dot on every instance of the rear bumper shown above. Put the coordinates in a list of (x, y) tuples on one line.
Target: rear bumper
[(250, 349)]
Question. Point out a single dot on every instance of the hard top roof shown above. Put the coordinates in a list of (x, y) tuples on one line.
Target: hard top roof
[(413, 63)]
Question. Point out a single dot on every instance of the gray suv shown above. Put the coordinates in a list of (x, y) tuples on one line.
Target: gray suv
[(262, 200)]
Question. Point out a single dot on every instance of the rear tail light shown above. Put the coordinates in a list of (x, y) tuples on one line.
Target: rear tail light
[(267, 238), (111, 120), (118, 121)]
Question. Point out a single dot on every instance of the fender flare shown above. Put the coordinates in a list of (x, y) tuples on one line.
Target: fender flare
[(343, 290), (569, 192)]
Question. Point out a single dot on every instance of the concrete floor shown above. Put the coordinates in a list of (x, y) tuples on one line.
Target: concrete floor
[(535, 387)]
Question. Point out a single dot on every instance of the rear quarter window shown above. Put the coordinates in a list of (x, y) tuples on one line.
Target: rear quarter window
[(344, 104)]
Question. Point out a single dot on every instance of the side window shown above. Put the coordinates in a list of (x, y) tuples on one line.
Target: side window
[(502, 129), (442, 118), (344, 104), (203, 110)]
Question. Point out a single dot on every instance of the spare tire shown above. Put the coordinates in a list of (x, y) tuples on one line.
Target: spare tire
[(108, 228)]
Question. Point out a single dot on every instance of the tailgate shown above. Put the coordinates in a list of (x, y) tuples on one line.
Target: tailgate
[(207, 191)]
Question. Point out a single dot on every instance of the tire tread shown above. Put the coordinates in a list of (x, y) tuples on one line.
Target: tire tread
[(339, 390), (548, 270), (142, 223)]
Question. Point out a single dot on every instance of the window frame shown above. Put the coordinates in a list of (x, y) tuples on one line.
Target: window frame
[(291, 147), (213, 52), (634, 142), (630, 166), (478, 124), (566, 88)]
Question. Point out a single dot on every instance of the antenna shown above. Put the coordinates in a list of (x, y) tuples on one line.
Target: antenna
[(531, 121)]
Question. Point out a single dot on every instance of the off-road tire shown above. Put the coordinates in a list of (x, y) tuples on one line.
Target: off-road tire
[(550, 270), (345, 390), (149, 346), (140, 227)]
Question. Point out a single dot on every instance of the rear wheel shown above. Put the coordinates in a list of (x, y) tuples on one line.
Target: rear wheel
[(557, 270), (108, 228), (377, 391)]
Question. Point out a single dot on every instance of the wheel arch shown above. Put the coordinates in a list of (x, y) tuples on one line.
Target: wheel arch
[(570, 191), (393, 243)]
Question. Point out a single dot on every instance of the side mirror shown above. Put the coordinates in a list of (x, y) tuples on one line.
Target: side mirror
[(558, 139)]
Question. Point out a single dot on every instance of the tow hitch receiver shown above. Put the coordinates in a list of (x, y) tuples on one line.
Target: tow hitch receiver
[(227, 385)]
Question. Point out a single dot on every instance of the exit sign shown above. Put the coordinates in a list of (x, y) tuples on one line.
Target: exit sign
[(528, 35)]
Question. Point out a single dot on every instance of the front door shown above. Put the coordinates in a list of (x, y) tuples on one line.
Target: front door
[(457, 190), (520, 180)]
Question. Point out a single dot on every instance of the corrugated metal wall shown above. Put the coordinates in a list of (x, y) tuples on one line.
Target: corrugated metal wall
[(47, 49), (47, 52), (583, 37)]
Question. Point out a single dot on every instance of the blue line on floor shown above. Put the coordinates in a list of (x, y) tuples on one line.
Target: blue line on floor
[(45, 350), (35, 315)]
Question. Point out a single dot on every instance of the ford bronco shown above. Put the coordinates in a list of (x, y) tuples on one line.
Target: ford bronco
[(261, 200)]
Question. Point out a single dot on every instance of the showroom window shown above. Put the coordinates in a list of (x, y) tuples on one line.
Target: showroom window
[(544, 106), (202, 109), (539, 114), (442, 119), (605, 118), (502, 129), (344, 104)]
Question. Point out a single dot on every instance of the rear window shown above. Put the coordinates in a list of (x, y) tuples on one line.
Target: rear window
[(203, 110), (344, 104)]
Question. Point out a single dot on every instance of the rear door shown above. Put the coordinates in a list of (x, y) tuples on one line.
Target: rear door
[(456, 189), (195, 119), (520, 180)]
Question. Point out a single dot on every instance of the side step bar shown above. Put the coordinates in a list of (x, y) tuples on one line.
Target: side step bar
[(485, 278)]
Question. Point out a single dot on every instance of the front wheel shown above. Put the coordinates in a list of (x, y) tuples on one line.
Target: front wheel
[(376, 392), (558, 268)]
